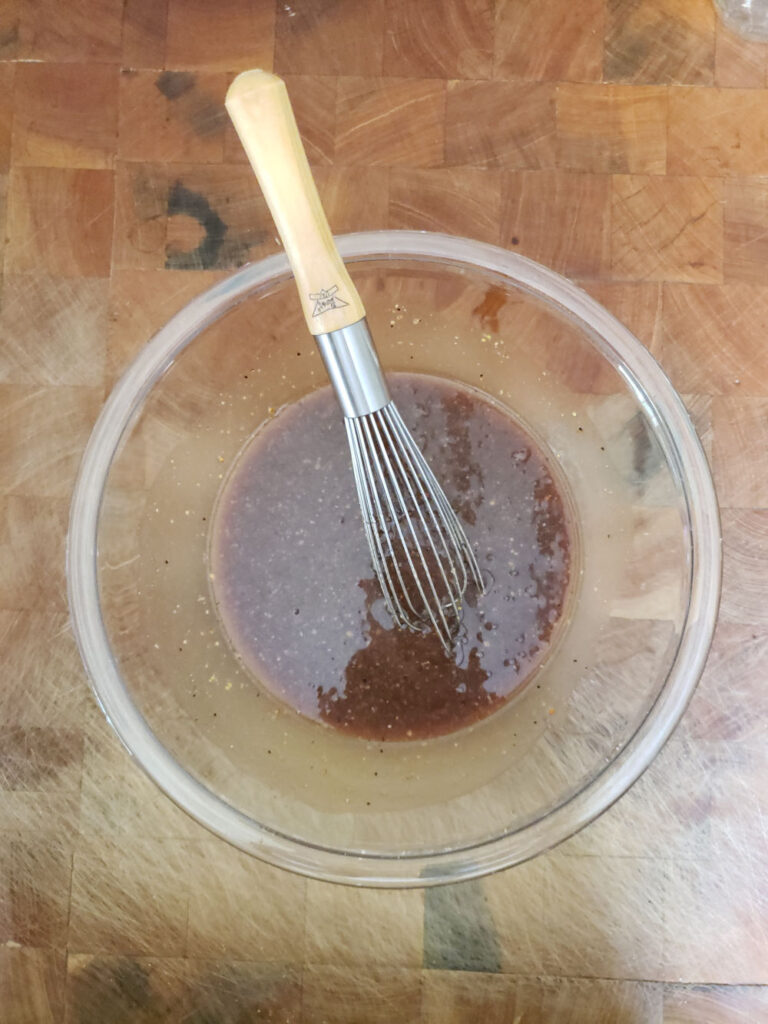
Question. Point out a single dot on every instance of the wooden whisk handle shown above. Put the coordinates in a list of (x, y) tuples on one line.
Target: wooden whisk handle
[(261, 112)]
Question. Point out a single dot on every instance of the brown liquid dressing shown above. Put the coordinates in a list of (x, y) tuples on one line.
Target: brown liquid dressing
[(293, 581)]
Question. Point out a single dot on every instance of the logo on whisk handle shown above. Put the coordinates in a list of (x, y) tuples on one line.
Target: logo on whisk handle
[(326, 299)]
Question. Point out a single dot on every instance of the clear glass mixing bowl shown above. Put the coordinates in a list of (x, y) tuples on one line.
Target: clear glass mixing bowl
[(302, 795)]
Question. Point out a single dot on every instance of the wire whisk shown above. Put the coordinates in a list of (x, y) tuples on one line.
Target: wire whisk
[(420, 552)]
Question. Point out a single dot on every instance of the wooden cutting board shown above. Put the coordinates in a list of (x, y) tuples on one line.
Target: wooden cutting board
[(621, 142)]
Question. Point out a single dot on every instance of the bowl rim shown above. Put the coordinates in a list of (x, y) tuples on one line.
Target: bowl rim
[(682, 448)]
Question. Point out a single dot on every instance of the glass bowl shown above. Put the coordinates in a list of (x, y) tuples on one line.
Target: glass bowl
[(302, 795)]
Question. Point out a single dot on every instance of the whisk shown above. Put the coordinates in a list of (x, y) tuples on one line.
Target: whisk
[(419, 550)]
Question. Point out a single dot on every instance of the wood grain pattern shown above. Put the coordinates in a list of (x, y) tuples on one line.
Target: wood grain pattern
[(60, 220), (321, 38), (377, 995), (232, 36), (65, 115), (724, 323), (717, 131), (655, 42), (740, 424), (559, 219), (612, 129), (508, 125), (666, 229), (143, 36), (745, 563), (745, 242), (32, 982), (622, 142), (188, 106), (461, 201), (443, 40), (390, 121), (732, 681), (715, 1004), (84, 31), (739, 62), (351, 927), (32, 532), (28, 418), (551, 41), (52, 330)]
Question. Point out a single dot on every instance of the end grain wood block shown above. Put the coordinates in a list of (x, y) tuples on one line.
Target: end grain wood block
[(740, 441), (116, 988), (612, 128), (559, 219), (60, 220), (43, 680), (620, 923), (10, 29), (448, 39), (462, 201), (82, 31), (66, 115), (217, 217), (141, 212), (175, 989), (53, 330), (390, 121), (516, 901), (376, 995), (739, 801), (733, 679), (37, 759), (29, 418), (713, 338), (8, 109), (745, 568), (718, 929), (667, 229), (739, 63), (140, 302), (457, 996), (217, 875), (659, 42), (553, 40), (243, 990), (587, 1000), (718, 131), (745, 246), (454, 997), (313, 98), (317, 38), (363, 926), (230, 35), (354, 198), (113, 885), (172, 116), (144, 25), (509, 125), (32, 540), (32, 982), (716, 1004), (34, 892)]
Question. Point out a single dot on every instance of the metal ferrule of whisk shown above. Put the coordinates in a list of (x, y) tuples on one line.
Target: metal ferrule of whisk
[(353, 367), (420, 552)]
